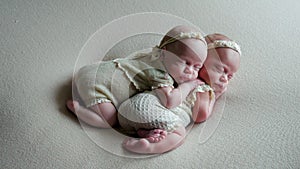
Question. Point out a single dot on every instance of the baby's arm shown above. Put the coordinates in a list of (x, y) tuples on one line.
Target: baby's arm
[(203, 106), (171, 97)]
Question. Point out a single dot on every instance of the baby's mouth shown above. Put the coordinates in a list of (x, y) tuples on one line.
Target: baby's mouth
[(221, 86), (185, 78), (218, 87)]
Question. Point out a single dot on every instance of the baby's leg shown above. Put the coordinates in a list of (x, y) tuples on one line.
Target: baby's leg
[(107, 111), (153, 136), (143, 146), (102, 115)]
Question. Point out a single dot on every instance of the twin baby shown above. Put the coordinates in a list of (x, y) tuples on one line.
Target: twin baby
[(158, 94)]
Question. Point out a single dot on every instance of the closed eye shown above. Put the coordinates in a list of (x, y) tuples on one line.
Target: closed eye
[(220, 69)]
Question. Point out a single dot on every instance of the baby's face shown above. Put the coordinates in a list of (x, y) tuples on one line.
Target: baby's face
[(219, 68), (183, 62)]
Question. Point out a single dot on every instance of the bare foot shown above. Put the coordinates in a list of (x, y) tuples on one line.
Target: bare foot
[(153, 136), (137, 145), (72, 105), (86, 115)]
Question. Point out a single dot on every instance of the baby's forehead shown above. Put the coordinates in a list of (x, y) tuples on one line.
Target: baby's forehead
[(191, 42), (230, 64), (193, 45)]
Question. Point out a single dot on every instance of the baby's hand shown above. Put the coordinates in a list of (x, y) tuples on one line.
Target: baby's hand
[(195, 83), (200, 82)]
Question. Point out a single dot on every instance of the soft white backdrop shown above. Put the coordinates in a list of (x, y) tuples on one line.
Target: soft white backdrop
[(39, 45)]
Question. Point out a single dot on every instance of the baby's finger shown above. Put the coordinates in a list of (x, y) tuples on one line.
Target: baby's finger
[(200, 82)]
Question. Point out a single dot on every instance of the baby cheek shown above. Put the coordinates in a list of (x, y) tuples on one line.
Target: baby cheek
[(195, 75)]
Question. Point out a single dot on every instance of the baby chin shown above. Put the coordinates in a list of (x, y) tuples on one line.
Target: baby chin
[(219, 88)]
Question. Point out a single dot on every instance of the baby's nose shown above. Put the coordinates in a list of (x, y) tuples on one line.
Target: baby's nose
[(224, 78), (188, 69)]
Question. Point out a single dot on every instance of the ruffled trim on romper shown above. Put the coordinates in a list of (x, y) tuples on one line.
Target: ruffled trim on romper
[(201, 88), (97, 101)]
